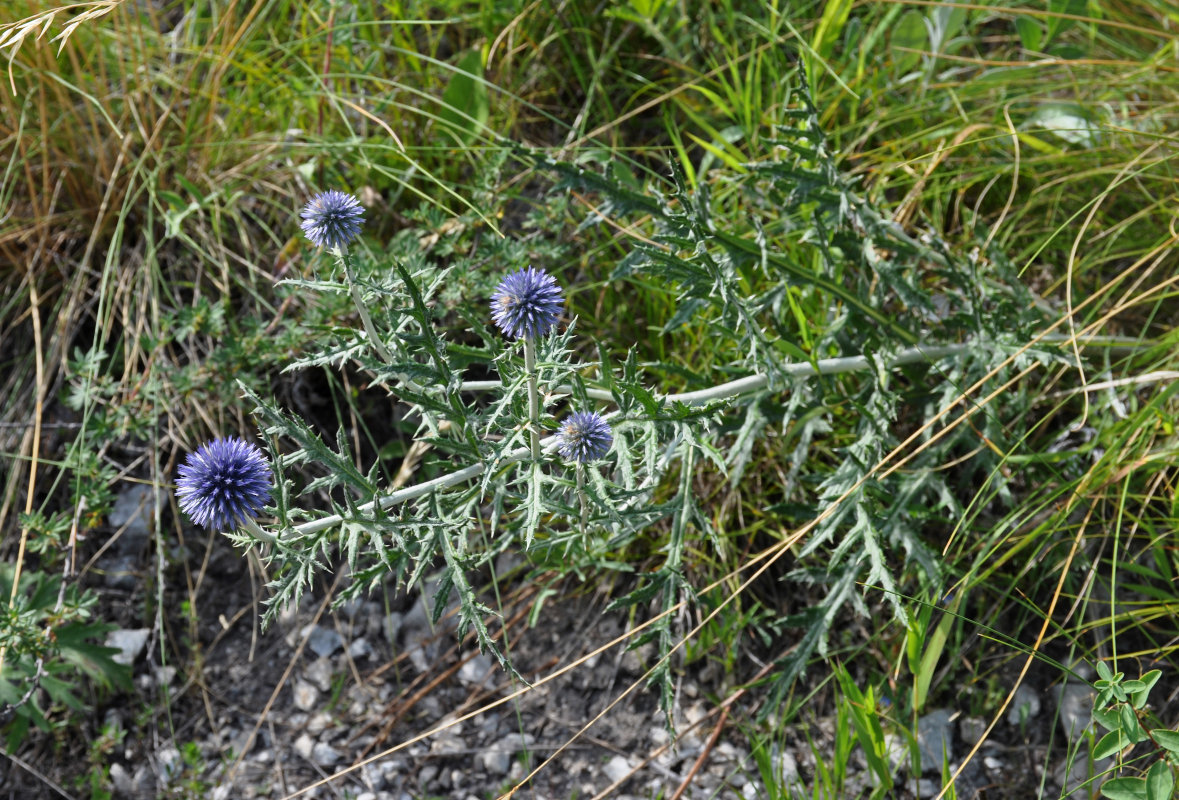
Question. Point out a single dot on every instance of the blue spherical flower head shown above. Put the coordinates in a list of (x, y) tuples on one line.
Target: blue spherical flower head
[(224, 483), (584, 436), (332, 219), (526, 304)]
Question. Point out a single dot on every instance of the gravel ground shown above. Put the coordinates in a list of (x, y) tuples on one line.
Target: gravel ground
[(251, 714)]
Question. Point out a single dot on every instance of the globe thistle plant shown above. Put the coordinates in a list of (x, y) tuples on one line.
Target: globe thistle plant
[(332, 219), (526, 304), (584, 436), (224, 484)]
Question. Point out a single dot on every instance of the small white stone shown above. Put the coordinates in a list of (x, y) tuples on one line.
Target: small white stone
[(319, 723), (325, 755), (121, 779), (1024, 706), (306, 695), (616, 769), (971, 729), (476, 671), (304, 745), (130, 642), (1076, 709), (323, 641), (163, 676), (319, 672), (360, 648), (496, 761)]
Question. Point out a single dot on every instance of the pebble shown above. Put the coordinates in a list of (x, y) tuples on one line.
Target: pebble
[(616, 769), (304, 745), (1024, 706), (163, 676), (319, 723), (130, 642), (325, 755), (896, 749), (120, 572), (170, 763), (496, 761), (476, 671), (1076, 709), (306, 696), (786, 770), (360, 648), (971, 729), (319, 672), (927, 787), (122, 780), (935, 739), (372, 776), (134, 511), (393, 626), (323, 641)]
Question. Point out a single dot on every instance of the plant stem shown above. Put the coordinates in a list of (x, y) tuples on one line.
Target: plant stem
[(581, 498), (341, 254), (826, 366), (254, 529), (731, 389), (533, 396)]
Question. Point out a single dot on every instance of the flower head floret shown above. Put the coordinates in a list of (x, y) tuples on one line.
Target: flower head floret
[(526, 304), (584, 436), (332, 219), (224, 483)]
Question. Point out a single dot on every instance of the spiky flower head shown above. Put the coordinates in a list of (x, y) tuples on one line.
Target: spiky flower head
[(332, 219), (526, 304), (224, 483), (584, 436)]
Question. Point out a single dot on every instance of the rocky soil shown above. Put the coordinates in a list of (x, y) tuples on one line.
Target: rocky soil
[(342, 706)]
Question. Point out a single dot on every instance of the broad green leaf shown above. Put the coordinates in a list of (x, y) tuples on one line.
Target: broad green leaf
[(1030, 33), (465, 103), (1167, 739), (1107, 719), (1124, 789), (910, 33), (1159, 781), (1129, 723), (1112, 742), (1139, 696), (1058, 25), (933, 653)]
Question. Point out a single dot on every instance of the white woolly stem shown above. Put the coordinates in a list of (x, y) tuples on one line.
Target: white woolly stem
[(581, 497), (254, 529), (533, 396), (735, 388), (341, 253), (826, 366)]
